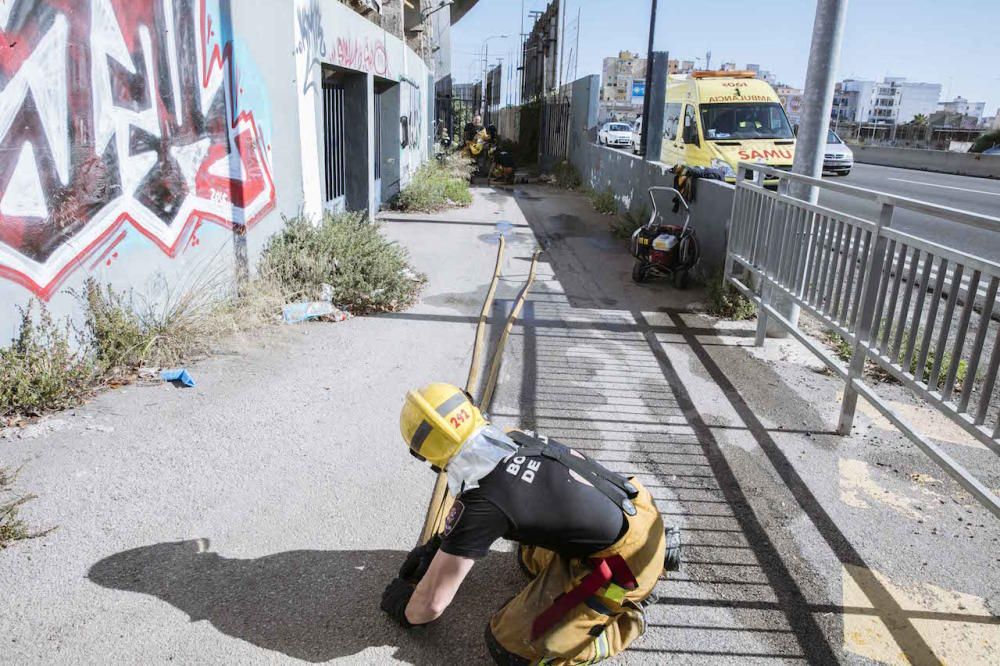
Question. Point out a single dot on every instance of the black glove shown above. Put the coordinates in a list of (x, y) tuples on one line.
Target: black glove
[(395, 599), (419, 560)]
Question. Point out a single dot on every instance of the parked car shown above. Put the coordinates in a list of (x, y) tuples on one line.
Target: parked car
[(837, 158), (995, 150), (636, 140), (615, 134)]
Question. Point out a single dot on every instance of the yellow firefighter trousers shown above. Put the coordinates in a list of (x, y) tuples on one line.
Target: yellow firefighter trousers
[(591, 631)]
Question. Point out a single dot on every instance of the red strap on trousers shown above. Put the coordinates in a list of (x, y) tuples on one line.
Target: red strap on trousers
[(605, 570)]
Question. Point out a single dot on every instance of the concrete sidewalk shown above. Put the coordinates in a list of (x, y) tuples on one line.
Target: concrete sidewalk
[(800, 545), (257, 517)]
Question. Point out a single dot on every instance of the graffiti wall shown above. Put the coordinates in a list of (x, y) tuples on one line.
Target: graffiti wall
[(329, 34), (136, 135), (416, 100), (125, 126)]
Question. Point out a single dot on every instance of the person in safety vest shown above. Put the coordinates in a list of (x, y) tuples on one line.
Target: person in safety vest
[(592, 541)]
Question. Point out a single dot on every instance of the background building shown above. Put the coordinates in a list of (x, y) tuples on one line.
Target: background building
[(623, 86), (791, 99), (680, 66), (916, 99), (963, 107), (889, 102), (618, 75)]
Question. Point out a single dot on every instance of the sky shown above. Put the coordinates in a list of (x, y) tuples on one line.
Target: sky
[(922, 40)]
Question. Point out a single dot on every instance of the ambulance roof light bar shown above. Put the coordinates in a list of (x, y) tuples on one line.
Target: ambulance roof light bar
[(735, 74)]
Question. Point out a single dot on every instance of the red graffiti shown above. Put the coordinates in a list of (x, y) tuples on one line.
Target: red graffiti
[(364, 54), (115, 113), (776, 154)]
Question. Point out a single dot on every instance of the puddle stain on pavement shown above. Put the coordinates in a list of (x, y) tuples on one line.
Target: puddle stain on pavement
[(858, 488), (943, 625)]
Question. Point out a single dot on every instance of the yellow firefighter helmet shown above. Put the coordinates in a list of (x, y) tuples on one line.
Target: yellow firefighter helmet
[(437, 420)]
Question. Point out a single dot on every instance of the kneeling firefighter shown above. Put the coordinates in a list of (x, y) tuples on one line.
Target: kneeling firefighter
[(591, 540)]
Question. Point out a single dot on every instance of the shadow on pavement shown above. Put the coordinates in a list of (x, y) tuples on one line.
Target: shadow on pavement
[(308, 604), (600, 378)]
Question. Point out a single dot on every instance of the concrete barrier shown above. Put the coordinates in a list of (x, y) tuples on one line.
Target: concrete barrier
[(938, 161), (629, 177)]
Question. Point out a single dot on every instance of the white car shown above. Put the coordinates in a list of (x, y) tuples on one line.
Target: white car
[(636, 140), (615, 134), (837, 158)]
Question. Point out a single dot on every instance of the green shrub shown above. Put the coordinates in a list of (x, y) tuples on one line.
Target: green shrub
[(843, 350), (986, 141), (347, 252), (127, 334), (41, 370), (626, 225), (604, 202), (114, 330), (436, 186), (52, 366), (12, 528), (726, 302), (841, 347), (566, 176)]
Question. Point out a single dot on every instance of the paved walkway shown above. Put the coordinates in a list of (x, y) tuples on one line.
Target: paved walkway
[(256, 518)]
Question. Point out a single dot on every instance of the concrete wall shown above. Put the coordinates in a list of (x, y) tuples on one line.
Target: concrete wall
[(629, 177), (156, 144), (940, 161), (329, 34)]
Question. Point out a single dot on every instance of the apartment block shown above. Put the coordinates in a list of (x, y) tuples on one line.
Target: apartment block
[(618, 74)]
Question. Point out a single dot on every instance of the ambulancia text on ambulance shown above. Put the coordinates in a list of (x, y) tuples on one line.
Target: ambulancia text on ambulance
[(719, 119)]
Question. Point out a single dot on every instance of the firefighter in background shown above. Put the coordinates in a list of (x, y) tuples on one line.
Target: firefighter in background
[(478, 141), (591, 541)]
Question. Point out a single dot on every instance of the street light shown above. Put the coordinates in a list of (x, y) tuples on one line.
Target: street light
[(424, 15)]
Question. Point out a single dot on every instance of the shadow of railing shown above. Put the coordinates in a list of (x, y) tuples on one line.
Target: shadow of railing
[(611, 390)]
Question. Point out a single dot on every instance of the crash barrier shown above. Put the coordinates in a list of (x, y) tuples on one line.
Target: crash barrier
[(938, 161), (905, 304), (441, 502)]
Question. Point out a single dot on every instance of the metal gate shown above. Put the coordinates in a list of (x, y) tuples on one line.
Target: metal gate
[(378, 137), (334, 154), (455, 111), (554, 135), (919, 311)]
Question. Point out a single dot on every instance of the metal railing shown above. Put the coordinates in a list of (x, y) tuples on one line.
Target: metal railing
[(908, 307)]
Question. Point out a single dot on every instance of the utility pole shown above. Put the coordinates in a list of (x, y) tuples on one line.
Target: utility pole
[(486, 68), (520, 70), (817, 97), (560, 43), (649, 79), (817, 100)]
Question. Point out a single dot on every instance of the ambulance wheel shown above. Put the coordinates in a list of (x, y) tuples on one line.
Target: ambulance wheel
[(639, 272), (681, 279)]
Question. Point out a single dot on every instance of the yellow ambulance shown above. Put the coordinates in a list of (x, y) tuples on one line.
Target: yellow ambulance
[(718, 119)]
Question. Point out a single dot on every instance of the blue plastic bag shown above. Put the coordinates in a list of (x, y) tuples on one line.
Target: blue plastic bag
[(179, 375)]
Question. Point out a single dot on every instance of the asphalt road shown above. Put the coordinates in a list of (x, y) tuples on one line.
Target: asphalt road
[(978, 195)]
